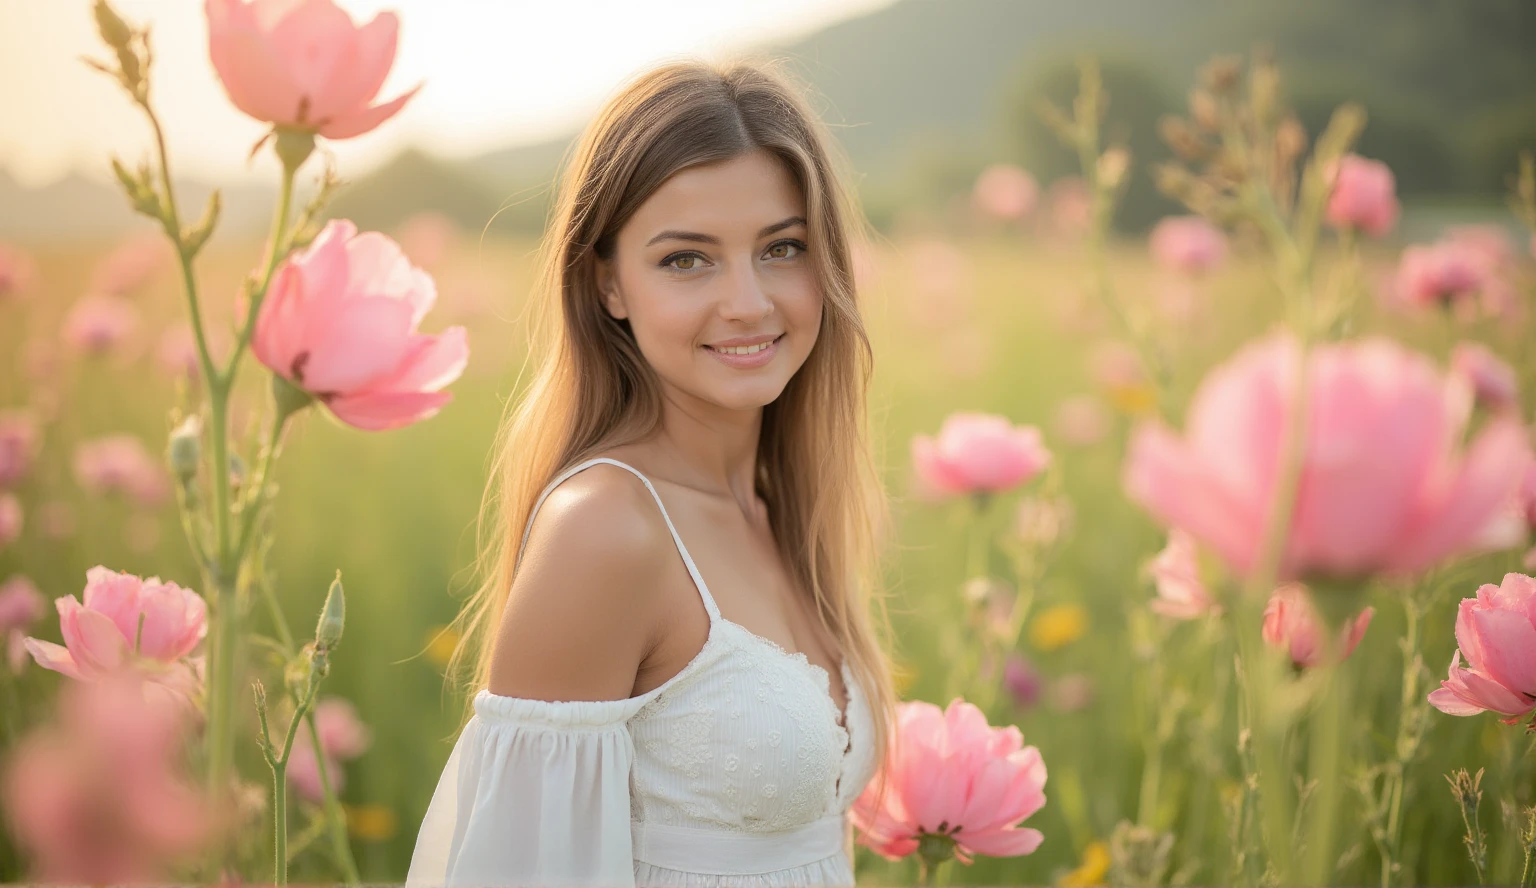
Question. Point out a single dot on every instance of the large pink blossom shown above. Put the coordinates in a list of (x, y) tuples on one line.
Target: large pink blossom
[(1496, 633), (303, 64), (978, 453), (97, 797), (950, 773), (147, 626), (1385, 485), (340, 323), (1187, 244), (1292, 624), (1364, 196)]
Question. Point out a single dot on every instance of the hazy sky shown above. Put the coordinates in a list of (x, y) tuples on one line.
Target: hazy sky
[(497, 72)]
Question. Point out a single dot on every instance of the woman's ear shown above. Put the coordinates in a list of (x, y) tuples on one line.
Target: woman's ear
[(608, 287)]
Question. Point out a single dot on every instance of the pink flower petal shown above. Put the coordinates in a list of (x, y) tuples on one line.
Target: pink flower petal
[(355, 343), (356, 123), (51, 656), (387, 410)]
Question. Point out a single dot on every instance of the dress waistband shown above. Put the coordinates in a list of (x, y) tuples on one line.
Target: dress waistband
[(724, 852)]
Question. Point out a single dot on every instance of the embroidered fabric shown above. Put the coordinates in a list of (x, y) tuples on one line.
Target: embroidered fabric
[(737, 772)]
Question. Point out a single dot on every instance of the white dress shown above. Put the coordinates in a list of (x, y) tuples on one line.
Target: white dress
[(738, 771)]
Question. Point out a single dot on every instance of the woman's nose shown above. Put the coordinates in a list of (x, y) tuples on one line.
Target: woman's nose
[(744, 298)]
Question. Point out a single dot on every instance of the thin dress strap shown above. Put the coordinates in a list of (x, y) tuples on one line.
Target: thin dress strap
[(693, 570)]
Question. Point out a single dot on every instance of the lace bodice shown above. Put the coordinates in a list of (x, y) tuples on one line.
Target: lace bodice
[(737, 771)]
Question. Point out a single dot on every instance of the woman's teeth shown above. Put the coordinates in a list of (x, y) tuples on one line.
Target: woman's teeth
[(744, 349)]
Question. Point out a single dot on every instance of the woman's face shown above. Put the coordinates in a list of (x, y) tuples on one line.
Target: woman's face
[(718, 254)]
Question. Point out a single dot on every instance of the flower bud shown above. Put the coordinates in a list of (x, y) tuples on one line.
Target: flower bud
[(333, 616), (1112, 167), (1205, 111), (114, 31), (186, 448), (194, 238)]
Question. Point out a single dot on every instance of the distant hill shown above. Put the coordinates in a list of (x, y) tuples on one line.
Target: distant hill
[(923, 92)]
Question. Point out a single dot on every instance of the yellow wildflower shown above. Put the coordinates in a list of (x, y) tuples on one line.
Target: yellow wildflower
[(1058, 626), (1132, 399), (441, 643), (370, 823), (1092, 870)]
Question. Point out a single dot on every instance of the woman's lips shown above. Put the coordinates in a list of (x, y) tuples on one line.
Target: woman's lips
[(745, 362)]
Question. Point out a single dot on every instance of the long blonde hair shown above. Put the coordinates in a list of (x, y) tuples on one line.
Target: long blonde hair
[(592, 390)]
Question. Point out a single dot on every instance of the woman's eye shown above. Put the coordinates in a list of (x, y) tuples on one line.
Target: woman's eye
[(796, 245), (685, 258)]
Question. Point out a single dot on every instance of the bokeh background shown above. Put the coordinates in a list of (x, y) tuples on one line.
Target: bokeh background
[(967, 313)]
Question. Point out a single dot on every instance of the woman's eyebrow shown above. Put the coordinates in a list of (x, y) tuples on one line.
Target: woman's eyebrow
[(711, 239)]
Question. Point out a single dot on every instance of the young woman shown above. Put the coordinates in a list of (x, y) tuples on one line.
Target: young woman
[(645, 711)]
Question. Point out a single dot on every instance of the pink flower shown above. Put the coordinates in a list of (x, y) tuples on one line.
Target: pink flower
[(342, 737), (10, 519), (97, 324), (1364, 196), (303, 64), (16, 271), (1496, 633), (131, 264), (428, 237), (949, 773), (1072, 693), (1081, 421), (1493, 382), (340, 323), (21, 604), (120, 463), (104, 636), (1445, 273), (1181, 594), (18, 445), (1384, 484), (978, 453), (1071, 207), (1291, 623), (96, 797), (1022, 681), (1188, 244), (57, 519), (1005, 191)]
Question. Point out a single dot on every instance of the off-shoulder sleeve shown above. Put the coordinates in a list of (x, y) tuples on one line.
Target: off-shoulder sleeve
[(534, 793)]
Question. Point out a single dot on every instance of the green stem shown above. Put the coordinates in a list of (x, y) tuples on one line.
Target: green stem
[(333, 812), (255, 498), (225, 660), (1409, 733), (976, 540), (1325, 761), (280, 823), (172, 223)]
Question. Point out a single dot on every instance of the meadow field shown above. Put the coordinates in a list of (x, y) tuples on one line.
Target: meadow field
[(1134, 714)]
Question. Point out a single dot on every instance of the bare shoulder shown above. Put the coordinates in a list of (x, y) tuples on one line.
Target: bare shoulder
[(586, 598)]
